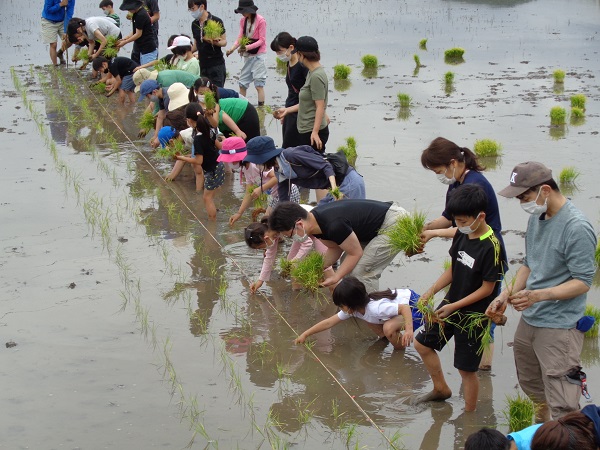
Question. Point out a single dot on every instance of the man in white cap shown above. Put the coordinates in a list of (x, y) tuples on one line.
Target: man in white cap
[(550, 289)]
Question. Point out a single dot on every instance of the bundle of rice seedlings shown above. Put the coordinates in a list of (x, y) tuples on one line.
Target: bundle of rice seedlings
[(405, 234), (349, 150), (99, 88), (558, 115), (111, 41), (479, 326), (487, 148), (568, 175), (449, 77), (454, 53), (162, 65), (337, 194), (577, 113), (308, 271), (404, 100), (426, 306), (175, 147), (578, 101), (342, 85), (244, 40), (147, 122), (591, 310), (261, 201), (423, 44), (209, 100), (83, 55), (519, 412), (370, 61), (285, 266), (280, 66), (110, 52), (213, 29), (341, 72), (559, 76), (417, 60)]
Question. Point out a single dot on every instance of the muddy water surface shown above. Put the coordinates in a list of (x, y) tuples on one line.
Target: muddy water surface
[(131, 313)]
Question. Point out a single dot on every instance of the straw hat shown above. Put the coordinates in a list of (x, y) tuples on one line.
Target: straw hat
[(178, 96)]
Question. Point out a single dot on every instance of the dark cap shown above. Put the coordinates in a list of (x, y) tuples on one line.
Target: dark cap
[(130, 5), (524, 176), (306, 44)]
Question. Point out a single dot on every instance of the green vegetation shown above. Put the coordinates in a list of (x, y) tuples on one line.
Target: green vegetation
[(370, 61), (99, 88), (597, 255), (261, 200), (341, 72), (147, 122), (285, 267), (162, 65), (591, 310), (449, 77), (308, 271), (577, 114), (558, 115), (213, 29), (244, 40), (349, 150), (578, 101), (520, 412), (175, 147), (454, 53), (209, 100), (280, 66), (110, 52), (417, 60), (568, 175), (405, 235), (83, 55), (478, 325), (404, 99), (487, 148), (559, 76), (423, 44), (336, 193)]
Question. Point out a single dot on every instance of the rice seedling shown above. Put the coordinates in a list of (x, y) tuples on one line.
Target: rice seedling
[(577, 114), (147, 122), (209, 100), (308, 271), (449, 78), (342, 85), (426, 306), (417, 60), (519, 412), (111, 41), (162, 65), (487, 148), (404, 113), (213, 29), (558, 114), (244, 40), (405, 234), (578, 101), (478, 325), (336, 193), (261, 200), (99, 88), (351, 432), (341, 72), (285, 267), (280, 66), (559, 76), (423, 44), (568, 175), (304, 413), (282, 370), (335, 410), (110, 52), (447, 264), (370, 61), (83, 55), (454, 53), (593, 311), (404, 99)]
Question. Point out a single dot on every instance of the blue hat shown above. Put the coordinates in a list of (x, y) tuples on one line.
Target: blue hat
[(261, 149), (165, 134), (147, 87)]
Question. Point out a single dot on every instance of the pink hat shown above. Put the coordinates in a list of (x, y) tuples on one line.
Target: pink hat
[(233, 150)]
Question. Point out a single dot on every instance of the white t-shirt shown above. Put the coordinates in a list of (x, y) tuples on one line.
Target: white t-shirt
[(379, 311), (106, 26)]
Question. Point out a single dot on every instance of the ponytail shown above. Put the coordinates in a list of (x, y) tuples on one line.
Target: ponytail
[(441, 151)]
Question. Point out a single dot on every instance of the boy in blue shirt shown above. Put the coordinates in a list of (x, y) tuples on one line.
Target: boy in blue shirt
[(473, 278)]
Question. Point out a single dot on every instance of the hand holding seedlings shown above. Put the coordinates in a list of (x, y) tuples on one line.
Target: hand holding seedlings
[(524, 299), (445, 311), (257, 193)]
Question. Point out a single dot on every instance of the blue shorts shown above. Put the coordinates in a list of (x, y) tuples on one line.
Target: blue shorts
[(148, 57), (127, 83)]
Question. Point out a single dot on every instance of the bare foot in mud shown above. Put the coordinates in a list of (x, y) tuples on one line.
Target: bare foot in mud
[(434, 396)]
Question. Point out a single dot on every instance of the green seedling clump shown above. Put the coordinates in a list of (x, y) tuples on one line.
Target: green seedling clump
[(405, 235), (591, 310), (487, 148), (213, 29), (577, 113), (285, 266), (162, 65), (110, 52), (83, 55), (111, 41), (244, 40), (209, 100), (341, 72), (520, 412), (578, 101), (261, 200), (568, 175), (479, 325), (454, 53), (308, 271), (423, 44), (558, 115), (349, 150), (280, 66), (404, 99), (417, 60), (336, 193), (449, 77), (99, 88), (370, 61), (175, 147), (559, 76), (147, 122)]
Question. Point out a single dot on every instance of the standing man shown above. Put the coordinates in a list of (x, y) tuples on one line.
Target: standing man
[(55, 17), (212, 63), (550, 289)]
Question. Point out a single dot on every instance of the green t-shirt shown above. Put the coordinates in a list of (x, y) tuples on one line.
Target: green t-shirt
[(234, 107), (315, 88), (116, 18), (167, 77), (192, 66)]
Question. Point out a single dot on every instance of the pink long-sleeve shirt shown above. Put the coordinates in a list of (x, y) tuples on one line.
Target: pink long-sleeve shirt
[(260, 33)]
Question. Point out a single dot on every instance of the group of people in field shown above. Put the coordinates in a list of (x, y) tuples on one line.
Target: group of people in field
[(219, 130)]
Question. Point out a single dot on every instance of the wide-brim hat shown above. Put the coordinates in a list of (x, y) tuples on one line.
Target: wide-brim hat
[(178, 96), (261, 149), (233, 149), (525, 176), (141, 75), (129, 5), (246, 7)]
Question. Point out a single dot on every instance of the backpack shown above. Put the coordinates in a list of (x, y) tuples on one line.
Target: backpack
[(340, 165)]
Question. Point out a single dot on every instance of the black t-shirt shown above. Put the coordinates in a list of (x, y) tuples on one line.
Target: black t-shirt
[(208, 54), (152, 7), (121, 66), (295, 79), (473, 262), (141, 21), (338, 220), (206, 148)]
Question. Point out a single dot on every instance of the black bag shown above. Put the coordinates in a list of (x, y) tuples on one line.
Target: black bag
[(340, 165), (254, 51)]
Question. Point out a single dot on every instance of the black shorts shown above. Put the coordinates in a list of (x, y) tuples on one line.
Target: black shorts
[(291, 137), (216, 74), (466, 348), (304, 138)]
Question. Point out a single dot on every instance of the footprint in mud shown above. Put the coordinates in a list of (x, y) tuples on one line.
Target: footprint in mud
[(72, 286)]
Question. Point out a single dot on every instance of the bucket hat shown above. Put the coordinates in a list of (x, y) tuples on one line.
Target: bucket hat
[(146, 88), (246, 6), (141, 75), (178, 96), (261, 149), (233, 150)]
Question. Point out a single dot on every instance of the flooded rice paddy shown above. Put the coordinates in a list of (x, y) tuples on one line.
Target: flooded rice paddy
[(131, 314)]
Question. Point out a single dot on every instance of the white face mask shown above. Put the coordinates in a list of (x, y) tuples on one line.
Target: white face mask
[(283, 57), (467, 229), (105, 11), (444, 179), (297, 238), (196, 14), (267, 240), (533, 207)]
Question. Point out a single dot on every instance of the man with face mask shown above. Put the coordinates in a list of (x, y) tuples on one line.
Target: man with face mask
[(550, 289)]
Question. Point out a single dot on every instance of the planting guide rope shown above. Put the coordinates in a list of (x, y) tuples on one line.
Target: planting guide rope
[(235, 263)]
